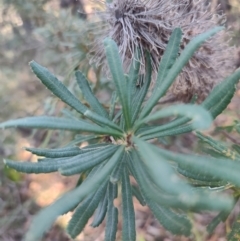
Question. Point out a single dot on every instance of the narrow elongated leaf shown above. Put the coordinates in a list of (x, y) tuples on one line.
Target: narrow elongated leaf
[(161, 172), (225, 151), (167, 61), (117, 172), (222, 104), (112, 214), (43, 221), (170, 132), (82, 164), (142, 90), (213, 185), (47, 122), (212, 152), (117, 116), (133, 76), (201, 119), (33, 167), (177, 67), (147, 187), (136, 192), (112, 106), (55, 153), (236, 148), (169, 57), (89, 96), (129, 229), (170, 125), (234, 235), (133, 73), (100, 212), (84, 211), (199, 176), (58, 89), (223, 169), (177, 224), (221, 217), (77, 163), (58, 159), (119, 79), (222, 93), (200, 200), (167, 180)]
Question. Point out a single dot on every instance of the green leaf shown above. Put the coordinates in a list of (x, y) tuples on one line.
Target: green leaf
[(52, 154), (84, 211), (133, 73), (100, 212), (112, 214), (224, 169), (82, 161), (234, 235), (221, 217), (199, 176), (163, 175), (221, 95), (203, 200), (55, 153), (142, 90), (169, 132), (164, 215), (129, 229), (222, 104), (177, 224), (133, 76), (112, 105), (115, 65), (137, 193), (117, 172), (212, 152), (160, 171), (200, 118), (147, 187), (43, 221), (177, 67), (34, 167), (89, 96), (58, 89), (91, 159), (236, 148), (212, 185), (168, 59), (225, 151), (47, 122), (158, 129)]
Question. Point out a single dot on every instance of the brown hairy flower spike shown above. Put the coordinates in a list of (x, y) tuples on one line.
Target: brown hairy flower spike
[(147, 25)]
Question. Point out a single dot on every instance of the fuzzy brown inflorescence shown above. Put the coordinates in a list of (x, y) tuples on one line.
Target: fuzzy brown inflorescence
[(148, 24)]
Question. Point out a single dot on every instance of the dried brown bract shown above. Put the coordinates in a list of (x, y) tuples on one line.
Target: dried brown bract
[(148, 24)]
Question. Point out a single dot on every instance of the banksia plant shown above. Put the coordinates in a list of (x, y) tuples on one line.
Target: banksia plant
[(231, 151), (120, 148), (146, 25)]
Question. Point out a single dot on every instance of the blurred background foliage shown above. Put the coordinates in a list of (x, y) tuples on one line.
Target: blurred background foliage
[(56, 34)]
